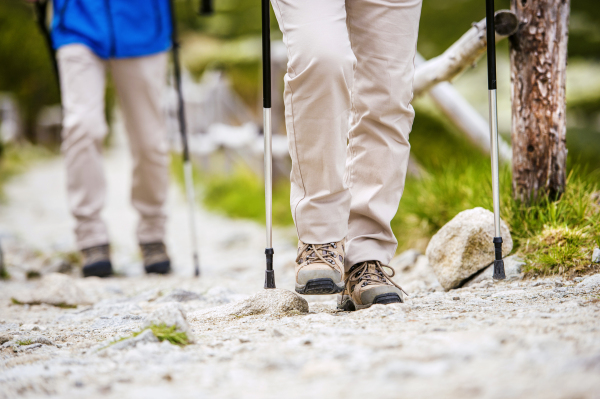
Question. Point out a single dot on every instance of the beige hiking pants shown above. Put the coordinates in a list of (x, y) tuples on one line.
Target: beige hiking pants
[(348, 90), (139, 82)]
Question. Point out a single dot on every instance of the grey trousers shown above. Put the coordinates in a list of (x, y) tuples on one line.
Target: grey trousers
[(348, 90)]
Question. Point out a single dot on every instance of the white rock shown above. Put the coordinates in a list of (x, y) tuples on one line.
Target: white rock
[(512, 268), (55, 289), (590, 282), (170, 314), (276, 302), (596, 255), (464, 246)]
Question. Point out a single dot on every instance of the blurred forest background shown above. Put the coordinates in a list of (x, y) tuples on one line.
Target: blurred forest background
[(455, 173)]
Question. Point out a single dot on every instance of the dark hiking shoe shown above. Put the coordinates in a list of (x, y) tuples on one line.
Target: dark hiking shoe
[(319, 268), (96, 261), (156, 259), (368, 284)]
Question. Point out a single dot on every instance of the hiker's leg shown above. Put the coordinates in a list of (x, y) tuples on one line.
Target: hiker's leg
[(317, 109), (82, 77), (140, 84), (383, 34)]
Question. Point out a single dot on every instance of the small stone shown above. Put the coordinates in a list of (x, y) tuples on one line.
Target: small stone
[(54, 289), (171, 314), (179, 295), (4, 338), (464, 246), (456, 298), (277, 333), (590, 282), (145, 337), (275, 302), (596, 255)]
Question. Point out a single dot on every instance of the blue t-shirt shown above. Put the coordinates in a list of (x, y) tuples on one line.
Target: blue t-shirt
[(113, 28)]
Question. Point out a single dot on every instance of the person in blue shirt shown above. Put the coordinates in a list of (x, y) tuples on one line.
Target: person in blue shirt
[(130, 39)]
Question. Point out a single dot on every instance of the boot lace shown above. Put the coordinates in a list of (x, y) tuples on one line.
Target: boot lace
[(363, 275), (311, 253)]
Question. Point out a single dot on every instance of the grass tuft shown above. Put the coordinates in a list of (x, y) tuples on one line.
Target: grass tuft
[(24, 342), (162, 332)]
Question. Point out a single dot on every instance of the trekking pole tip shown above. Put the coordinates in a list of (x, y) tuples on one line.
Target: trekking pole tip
[(498, 262), (269, 273), (196, 266)]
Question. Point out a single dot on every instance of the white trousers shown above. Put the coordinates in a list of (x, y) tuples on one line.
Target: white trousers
[(348, 90), (140, 83)]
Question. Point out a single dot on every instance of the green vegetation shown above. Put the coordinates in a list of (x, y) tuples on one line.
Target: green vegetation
[(24, 342), (169, 333), (162, 332), (4, 275)]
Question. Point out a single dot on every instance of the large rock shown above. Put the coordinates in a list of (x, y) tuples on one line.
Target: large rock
[(464, 246), (276, 302)]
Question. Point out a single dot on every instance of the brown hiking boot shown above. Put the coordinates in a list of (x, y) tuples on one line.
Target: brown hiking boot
[(319, 268), (156, 259), (367, 284), (96, 261)]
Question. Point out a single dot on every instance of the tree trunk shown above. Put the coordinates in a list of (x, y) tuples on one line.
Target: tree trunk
[(538, 56)]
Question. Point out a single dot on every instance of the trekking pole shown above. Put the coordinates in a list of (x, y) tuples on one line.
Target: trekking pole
[(268, 156), (491, 70), (187, 164), (206, 7), (41, 14)]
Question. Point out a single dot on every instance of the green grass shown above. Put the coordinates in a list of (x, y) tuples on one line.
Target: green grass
[(239, 195), (162, 332), (24, 342)]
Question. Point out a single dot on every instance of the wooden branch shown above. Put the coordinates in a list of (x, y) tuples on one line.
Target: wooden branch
[(462, 54), (465, 117)]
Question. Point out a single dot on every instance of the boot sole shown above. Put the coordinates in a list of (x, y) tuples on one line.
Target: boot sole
[(346, 303), (98, 269), (159, 268), (320, 286)]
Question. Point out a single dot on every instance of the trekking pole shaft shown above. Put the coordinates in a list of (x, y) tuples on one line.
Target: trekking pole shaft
[(268, 155), (268, 176), (493, 104), (495, 167), (187, 164)]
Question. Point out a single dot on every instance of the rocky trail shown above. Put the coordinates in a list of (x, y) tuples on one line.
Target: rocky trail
[(68, 337)]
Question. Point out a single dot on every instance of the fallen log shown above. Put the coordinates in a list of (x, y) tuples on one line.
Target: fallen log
[(462, 54)]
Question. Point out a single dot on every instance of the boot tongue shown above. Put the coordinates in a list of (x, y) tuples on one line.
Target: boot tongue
[(375, 273)]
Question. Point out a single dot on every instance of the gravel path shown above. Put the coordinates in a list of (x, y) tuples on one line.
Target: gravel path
[(526, 339)]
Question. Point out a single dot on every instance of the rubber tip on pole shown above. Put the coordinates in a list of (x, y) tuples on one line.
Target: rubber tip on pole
[(499, 270), (498, 262), (196, 266), (269, 273)]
